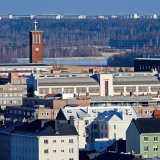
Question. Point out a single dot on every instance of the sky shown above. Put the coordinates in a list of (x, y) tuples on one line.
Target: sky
[(87, 7)]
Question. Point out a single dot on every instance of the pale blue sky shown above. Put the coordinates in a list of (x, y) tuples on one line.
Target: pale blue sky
[(88, 7)]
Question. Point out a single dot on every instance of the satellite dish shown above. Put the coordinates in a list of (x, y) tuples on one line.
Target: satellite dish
[(36, 93)]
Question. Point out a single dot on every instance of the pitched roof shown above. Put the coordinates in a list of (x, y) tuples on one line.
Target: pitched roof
[(48, 128), (147, 125)]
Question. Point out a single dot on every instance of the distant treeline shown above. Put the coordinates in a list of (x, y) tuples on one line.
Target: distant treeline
[(73, 37)]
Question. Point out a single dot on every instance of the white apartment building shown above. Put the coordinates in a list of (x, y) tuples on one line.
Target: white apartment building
[(99, 122), (45, 140)]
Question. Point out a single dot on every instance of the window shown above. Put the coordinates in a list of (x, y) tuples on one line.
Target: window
[(54, 141), (101, 126), (155, 148), (44, 90), (68, 90), (86, 122), (70, 140), (54, 151), (46, 141), (56, 90), (105, 134), (105, 126), (94, 90), (119, 89), (155, 139), (114, 126), (46, 151), (145, 139), (155, 88), (62, 141), (62, 150), (131, 89), (71, 159), (114, 135), (101, 135), (143, 89), (145, 148), (70, 150), (81, 90)]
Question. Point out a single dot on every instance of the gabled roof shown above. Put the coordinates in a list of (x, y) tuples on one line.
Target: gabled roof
[(147, 125), (47, 128)]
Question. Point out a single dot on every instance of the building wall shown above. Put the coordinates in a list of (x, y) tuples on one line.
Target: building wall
[(24, 147), (5, 147), (144, 65), (60, 149), (132, 139), (150, 143), (120, 129)]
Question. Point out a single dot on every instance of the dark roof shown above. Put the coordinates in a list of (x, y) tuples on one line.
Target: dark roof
[(83, 155), (48, 128), (147, 125), (115, 156)]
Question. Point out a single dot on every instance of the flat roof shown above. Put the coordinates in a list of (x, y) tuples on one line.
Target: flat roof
[(22, 64), (150, 59)]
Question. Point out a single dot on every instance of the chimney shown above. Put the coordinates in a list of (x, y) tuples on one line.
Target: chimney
[(42, 123), (55, 125), (88, 109), (131, 93), (71, 121)]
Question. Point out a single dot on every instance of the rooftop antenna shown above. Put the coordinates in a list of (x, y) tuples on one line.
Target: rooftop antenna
[(35, 25)]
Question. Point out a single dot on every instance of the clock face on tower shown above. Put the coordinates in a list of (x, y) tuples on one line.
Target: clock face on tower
[(37, 49)]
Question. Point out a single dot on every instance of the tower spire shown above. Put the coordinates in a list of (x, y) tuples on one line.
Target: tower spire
[(35, 25)]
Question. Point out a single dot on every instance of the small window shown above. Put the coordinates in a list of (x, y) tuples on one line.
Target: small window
[(62, 141), (54, 151), (46, 151), (46, 141), (101, 126), (145, 139), (54, 141), (62, 150), (114, 135), (71, 159), (86, 122), (155, 139), (70, 140), (114, 126)]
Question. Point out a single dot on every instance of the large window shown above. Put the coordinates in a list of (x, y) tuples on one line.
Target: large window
[(131, 89), (68, 90), (56, 90), (44, 90), (155, 139), (3, 102), (94, 90), (155, 148), (70, 150), (119, 89), (143, 89), (146, 149), (81, 90), (155, 88)]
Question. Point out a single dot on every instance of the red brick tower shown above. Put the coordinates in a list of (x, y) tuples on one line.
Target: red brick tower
[(36, 48)]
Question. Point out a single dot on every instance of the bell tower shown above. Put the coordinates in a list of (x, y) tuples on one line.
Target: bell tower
[(36, 47)]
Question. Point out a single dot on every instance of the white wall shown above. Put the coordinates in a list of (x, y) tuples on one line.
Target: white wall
[(58, 146)]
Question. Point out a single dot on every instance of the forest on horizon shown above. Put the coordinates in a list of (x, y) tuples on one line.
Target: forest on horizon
[(77, 38)]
